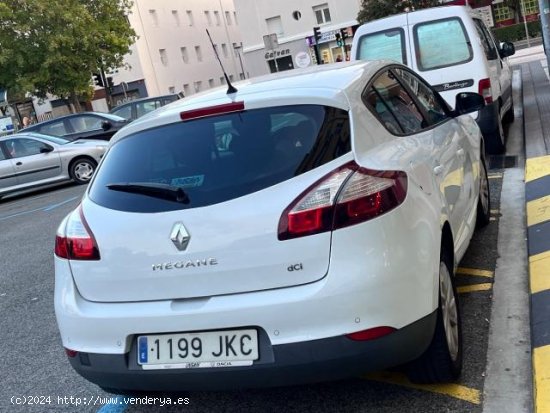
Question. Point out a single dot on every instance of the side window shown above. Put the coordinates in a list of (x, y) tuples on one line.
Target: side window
[(54, 128), (18, 148), (428, 99), (85, 123), (487, 43), (145, 107), (124, 112), (441, 43), (388, 44), (2, 154), (393, 106)]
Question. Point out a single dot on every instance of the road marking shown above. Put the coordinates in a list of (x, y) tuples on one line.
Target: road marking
[(49, 208), (497, 175), (119, 406), (495, 211), (453, 390), (43, 209), (474, 271), (539, 270), (538, 211), (537, 168), (492, 219), (541, 373), (474, 288)]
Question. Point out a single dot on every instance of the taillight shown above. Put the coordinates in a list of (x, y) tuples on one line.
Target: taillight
[(347, 196), (371, 333), (70, 353), (222, 109), (485, 90), (75, 240)]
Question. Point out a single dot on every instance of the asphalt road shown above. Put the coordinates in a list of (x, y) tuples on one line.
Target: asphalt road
[(33, 364)]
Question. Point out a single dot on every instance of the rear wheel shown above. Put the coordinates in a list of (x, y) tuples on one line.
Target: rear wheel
[(484, 200), (509, 115), (442, 361), (82, 169), (496, 140)]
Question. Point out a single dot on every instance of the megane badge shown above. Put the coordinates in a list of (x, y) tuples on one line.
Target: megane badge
[(180, 237)]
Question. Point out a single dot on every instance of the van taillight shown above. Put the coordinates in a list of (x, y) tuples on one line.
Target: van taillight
[(74, 239), (347, 196), (485, 90)]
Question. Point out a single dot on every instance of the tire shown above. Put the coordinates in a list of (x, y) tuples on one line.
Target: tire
[(496, 141), (509, 115), (484, 200), (442, 361), (81, 170)]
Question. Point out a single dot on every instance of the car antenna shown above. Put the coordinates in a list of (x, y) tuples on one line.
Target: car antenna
[(230, 88)]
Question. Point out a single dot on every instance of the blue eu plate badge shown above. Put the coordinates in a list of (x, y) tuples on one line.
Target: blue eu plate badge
[(142, 349)]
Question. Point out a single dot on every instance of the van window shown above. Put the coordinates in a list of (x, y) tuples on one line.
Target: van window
[(441, 43), (487, 42), (219, 158), (388, 44)]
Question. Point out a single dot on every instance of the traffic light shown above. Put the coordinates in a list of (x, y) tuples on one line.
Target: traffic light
[(317, 34), (339, 41), (110, 82), (98, 79), (345, 34)]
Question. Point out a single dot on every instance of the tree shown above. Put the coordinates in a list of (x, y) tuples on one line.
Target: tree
[(377, 9), (53, 46)]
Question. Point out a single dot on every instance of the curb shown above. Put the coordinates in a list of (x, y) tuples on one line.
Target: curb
[(536, 97)]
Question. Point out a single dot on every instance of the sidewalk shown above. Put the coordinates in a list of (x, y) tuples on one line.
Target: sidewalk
[(536, 112)]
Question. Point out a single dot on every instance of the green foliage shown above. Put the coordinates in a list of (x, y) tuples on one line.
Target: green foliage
[(53, 46), (517, 31), (377, 9)]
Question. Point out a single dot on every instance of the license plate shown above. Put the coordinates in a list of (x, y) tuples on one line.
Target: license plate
[(198, 350)]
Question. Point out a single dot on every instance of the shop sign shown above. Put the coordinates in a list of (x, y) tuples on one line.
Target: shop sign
[(276, 54)]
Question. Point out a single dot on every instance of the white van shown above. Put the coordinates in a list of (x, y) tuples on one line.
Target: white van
[(451, 47)]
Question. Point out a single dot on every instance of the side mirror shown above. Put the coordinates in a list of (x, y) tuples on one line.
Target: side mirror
[(46, 149), (467, 102), (106, 125), (507, 49)]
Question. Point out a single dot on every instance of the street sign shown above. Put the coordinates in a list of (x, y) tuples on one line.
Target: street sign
[(270, 41)]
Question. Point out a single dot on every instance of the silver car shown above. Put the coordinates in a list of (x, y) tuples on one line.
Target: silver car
[(30, 160)]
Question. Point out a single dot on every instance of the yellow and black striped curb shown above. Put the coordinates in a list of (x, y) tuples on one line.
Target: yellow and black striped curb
[(537, 198)]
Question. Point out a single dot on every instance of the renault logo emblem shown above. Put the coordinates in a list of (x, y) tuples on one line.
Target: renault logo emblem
[(180, 237)]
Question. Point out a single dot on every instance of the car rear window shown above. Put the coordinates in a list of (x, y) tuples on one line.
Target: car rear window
[(219, 158), (387, 44), (441, 43)]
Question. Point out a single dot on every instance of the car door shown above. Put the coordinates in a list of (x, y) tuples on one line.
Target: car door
[(8, 178), (33, 160), (458, 186)]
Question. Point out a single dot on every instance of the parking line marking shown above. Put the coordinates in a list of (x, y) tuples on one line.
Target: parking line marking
[(492, 219), (541, 373), (474, 288), (537, 168), (475, 272), (497, 175), (538, 211), (49, 208), (495, 211), (539, 270), (453, 390)]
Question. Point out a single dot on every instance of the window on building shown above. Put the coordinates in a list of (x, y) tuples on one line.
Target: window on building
[(190, 18), (198, 52), (163, 57), (154, 17), (217, 16), (231, 77), (184, 54), (228, 18), (208, 17), (224, 49), (222, 80), (275, 25), (198, 86), (172, 89), (235, 18), (186, 89), (502, 12), (322, 13), (176, 17), (530, 7), (211, 83), (241, 76)]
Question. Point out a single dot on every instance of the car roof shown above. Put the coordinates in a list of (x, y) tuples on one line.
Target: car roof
[(329, 84)]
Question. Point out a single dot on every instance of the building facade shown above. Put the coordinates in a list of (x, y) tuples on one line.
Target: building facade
[(173, 53), (287, 27)]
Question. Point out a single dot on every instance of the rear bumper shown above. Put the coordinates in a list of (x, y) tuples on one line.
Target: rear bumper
[(287, 364)]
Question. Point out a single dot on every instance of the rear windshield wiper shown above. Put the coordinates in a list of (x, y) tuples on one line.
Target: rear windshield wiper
[(163, 191)]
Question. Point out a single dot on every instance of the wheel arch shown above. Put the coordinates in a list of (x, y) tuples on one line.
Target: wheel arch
[(447, 244)]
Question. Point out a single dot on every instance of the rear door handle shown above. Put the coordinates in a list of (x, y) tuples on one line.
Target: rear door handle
[(438, 170), (19, 163)]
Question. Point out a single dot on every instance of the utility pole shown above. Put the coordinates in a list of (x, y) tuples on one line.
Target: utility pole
[(544, 9)]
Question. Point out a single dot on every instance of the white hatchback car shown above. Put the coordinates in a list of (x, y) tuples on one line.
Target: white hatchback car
[(304, 228)]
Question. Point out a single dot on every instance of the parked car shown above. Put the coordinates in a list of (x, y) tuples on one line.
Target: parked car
[(30, 160), (451, 47), (304, 228), (139, 107), (83, 125)]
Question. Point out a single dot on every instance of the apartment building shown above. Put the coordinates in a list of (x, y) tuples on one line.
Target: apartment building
[(173, 52), (289, 25)]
